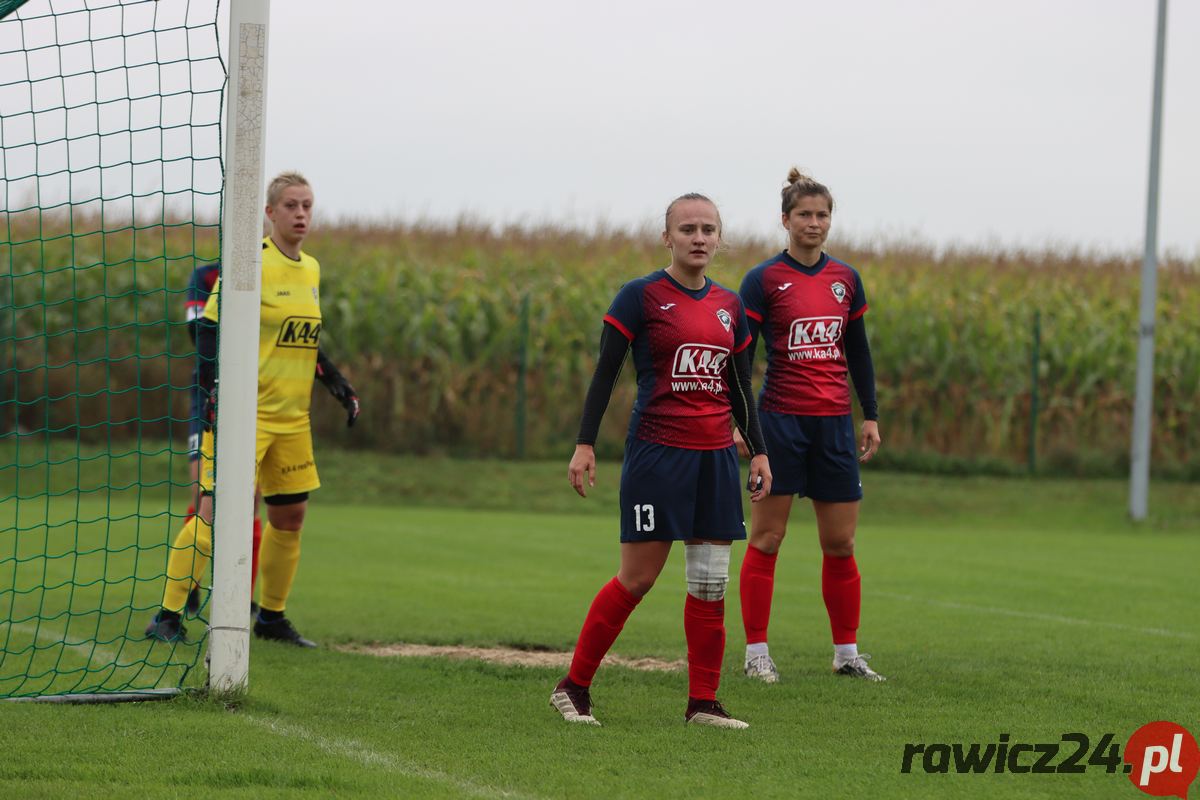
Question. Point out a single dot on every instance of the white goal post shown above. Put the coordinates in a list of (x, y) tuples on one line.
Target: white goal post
[(237, 391)]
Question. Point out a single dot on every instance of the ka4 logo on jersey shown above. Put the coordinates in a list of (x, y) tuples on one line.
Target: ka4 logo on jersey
[(699, 361), (814, 332), (299, 332)]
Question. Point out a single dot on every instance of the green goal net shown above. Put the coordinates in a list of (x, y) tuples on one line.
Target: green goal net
[(110, 184)]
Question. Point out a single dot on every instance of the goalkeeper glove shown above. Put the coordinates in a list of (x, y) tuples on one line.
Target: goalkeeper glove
[(338, 386)]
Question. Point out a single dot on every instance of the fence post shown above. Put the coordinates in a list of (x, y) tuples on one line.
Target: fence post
[(522, 369), (1033, 385)]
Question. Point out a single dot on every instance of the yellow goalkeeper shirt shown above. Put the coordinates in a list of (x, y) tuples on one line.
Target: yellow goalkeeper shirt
[(289, 330)]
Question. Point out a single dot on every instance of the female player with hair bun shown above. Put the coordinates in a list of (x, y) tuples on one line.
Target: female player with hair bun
[(679, 479), (809, 309)]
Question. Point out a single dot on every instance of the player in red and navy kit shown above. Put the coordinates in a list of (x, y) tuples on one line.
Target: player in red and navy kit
[(808, 309), (200, 286), (679, 480)]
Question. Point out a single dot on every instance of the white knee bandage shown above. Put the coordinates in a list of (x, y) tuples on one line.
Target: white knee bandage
[(707, 567)]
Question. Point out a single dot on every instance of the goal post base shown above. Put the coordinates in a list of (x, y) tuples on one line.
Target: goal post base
[(101, 697)]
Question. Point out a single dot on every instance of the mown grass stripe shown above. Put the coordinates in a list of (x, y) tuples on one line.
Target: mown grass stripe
[(1055, 618)]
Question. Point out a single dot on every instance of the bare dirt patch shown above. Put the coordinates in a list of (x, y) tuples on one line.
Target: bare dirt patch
[(509, 656)]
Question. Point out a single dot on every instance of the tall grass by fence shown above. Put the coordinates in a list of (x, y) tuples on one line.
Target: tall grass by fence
[(437, 325)]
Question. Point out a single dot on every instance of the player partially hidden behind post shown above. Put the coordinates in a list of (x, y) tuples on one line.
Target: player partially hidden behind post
[(288, 358), (679, 480), (809, 310), (200, 286)]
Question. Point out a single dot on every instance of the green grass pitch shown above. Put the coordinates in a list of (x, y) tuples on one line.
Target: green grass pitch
[(993, 606)]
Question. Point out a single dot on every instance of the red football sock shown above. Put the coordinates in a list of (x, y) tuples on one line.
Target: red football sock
[(756, 586), (704, 625), (841, 586), (605, 619), (256, 543)]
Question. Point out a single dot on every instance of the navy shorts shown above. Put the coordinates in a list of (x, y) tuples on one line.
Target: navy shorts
[(669, 493), (814, 457), (195, 424)]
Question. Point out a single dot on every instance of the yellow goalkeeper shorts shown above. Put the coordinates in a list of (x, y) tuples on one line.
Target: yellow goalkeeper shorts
[(283, 463)]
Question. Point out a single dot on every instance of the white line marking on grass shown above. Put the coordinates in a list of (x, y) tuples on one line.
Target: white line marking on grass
[(1009, 612), (87, 649), (357, 751)]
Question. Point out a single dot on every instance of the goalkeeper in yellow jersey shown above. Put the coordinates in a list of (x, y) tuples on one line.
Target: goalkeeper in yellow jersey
[(288, 359)]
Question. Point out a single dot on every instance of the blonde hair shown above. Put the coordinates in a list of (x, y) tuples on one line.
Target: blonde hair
[(800, 185), (690, 196), (282, 181)]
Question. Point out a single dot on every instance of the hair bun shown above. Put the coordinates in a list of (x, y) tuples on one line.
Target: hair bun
[(801, 185)]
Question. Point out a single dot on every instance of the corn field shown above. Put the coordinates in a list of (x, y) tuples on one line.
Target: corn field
[(428, 323)]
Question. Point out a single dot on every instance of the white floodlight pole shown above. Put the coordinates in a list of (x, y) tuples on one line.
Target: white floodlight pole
[(1143, 407), (237, 393)]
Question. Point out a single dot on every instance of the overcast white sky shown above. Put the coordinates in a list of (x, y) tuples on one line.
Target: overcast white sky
[(1023, 122)]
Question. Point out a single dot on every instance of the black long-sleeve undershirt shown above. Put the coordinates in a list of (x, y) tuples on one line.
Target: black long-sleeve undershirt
[(613, 348), (741, 400), (327, 371), (861, 367), (206, 353), (858, 362)]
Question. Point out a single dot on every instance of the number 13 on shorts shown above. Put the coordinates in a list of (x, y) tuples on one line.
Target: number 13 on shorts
[(643, 518)]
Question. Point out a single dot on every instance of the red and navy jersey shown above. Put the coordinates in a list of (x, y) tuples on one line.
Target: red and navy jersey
[(803, 313), (199, 288), (682, 341)]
